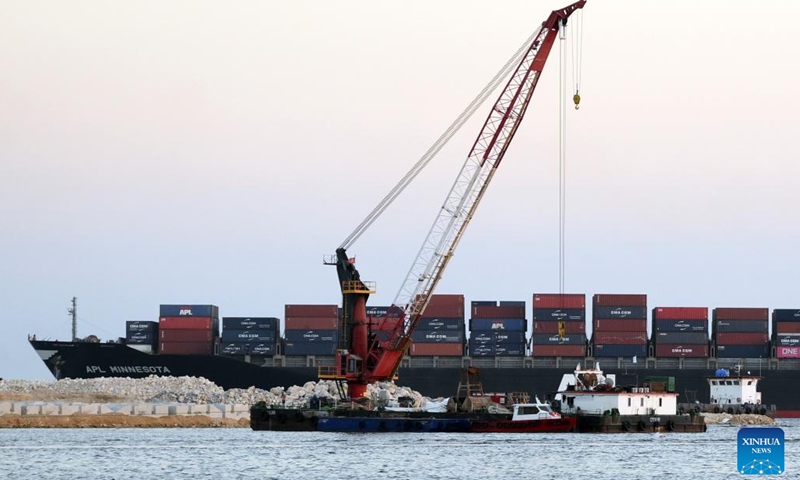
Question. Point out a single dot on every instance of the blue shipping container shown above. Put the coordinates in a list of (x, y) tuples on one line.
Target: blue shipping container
[(436, 336), (141, 338), (681, 338), (313, 348), (680, 326), (248, 336), (140, 326), (743, 351), (489, 350), (428, 323), (787, 340), (483, 303), (638, 313), (512, 324), (617, 350), (786, 315), (247, 323), (740, 326), (560, 314), (207, 311), (387, 311), (512, 303), (554, 339), (495, 337), (312, 336), (248, 348)]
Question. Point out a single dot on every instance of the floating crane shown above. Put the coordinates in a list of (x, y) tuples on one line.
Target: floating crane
[(362, 358)]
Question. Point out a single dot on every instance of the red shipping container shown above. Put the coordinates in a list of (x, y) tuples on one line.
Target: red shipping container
[(787, 327), (619, 325), (183, 335), (681, 313), (311, 311), (385, 324), (788, 352), (619, 338), (557, 300), (496, 312), (682, 350), (444, 311), (738, 338), (559, 350), (311, 323), (187, 323), (549, 326), (446, 299), (616, 300), (437, 349), (185, 348), (741, 313)]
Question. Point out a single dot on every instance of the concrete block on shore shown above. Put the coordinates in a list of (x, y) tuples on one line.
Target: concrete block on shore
[(198, 409), (161, 410), (67, 409), (89, 408), (179, 409), (143, 409), (219, 407), (241, 408), (118, 408), (30, 409), (51, 409), (6, 407)]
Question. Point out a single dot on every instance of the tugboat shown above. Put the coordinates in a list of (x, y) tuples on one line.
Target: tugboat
[(734, 395), (600, 406)]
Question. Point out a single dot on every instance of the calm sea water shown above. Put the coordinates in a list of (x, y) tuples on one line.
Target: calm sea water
[(244, 454)]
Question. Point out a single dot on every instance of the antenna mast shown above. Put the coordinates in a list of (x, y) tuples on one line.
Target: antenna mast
[(74, 314)]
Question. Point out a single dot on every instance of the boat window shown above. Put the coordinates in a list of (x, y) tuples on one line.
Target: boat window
[(629, 401), (659, 402), (641, 402), (528, 410), (736, 382), (728, 382), (749, 382)]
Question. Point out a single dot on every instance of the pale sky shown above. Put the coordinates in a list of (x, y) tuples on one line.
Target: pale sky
[(212, 152)]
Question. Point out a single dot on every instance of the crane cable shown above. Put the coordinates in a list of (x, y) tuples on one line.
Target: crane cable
[(577, 57), (439, 143), (562, 133), (577, 60)]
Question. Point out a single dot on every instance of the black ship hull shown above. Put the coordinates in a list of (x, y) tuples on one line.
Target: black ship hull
[(95, 360)]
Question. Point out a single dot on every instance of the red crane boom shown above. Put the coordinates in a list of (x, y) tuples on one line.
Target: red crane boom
[(363, 359)]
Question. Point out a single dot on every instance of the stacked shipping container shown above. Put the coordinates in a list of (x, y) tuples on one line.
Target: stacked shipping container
[(680, 331), (619, 324), (786, 332), (249, 336), (497, 329), (549, 312), (311, 329), (188, 329), (142, 335), (383, 321), (440, 331), (741, 332)]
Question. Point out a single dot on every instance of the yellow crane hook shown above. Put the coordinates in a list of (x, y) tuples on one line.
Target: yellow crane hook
[(577, 99)]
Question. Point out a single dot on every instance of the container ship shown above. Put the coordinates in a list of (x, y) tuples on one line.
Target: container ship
[(513, 351)]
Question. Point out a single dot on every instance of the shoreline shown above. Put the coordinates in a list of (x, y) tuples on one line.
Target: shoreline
[(115, 420)]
